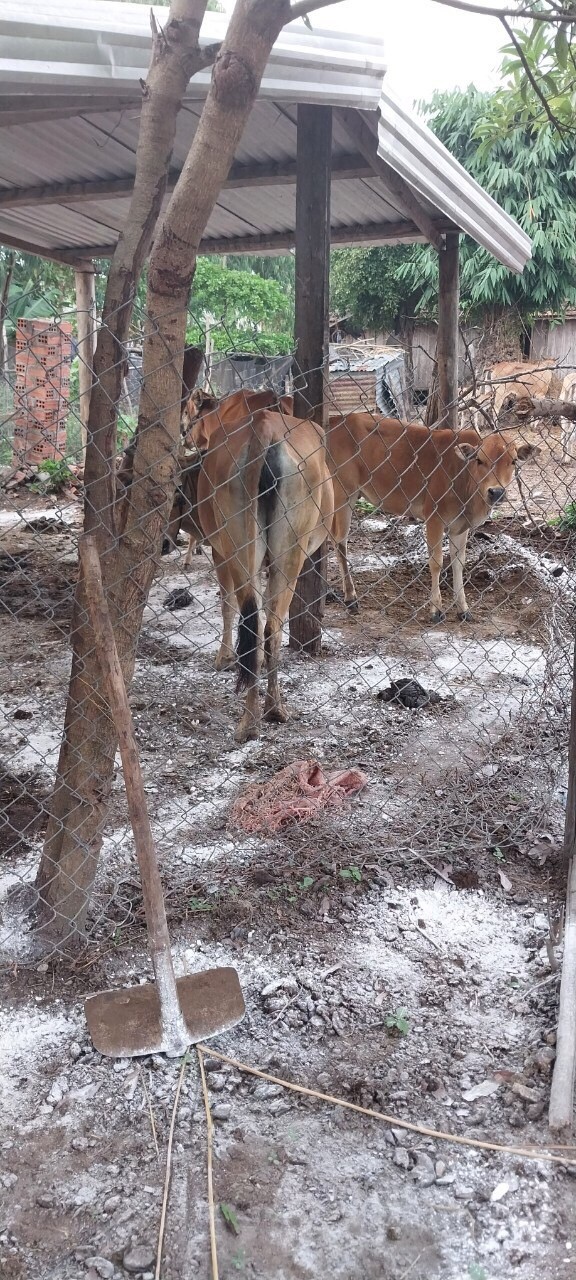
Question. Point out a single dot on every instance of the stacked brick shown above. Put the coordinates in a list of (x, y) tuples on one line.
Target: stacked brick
[(42, 393)]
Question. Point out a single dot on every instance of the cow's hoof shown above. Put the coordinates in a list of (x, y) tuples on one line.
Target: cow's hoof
[(437, 616), (247, 731), (466, 616), (225, 662), (275, 714), (352, 606)]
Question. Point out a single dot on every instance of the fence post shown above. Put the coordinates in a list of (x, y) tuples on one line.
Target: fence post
[(313, 176), (447, 343), (86, 322)]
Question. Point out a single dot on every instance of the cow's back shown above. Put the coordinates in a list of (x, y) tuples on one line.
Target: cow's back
[(522, 378)]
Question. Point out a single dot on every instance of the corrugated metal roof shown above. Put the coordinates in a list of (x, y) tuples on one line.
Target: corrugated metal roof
[(106, 46), (100, 50), (413, 151)]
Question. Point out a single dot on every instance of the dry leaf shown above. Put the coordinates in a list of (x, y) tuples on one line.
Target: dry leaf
[(483, 1090), (504, 881)]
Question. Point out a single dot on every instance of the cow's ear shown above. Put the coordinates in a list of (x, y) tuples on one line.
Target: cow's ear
[(526, 451), (466, 451)]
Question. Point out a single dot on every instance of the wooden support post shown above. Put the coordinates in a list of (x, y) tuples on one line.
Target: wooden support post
[(313, 171), (86, 323), (447, 344)]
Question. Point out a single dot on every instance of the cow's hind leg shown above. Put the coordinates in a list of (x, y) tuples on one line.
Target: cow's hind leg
[(340, 533), (248, 661), (434, 538), (282, 581), (458, 559), (226, 656)]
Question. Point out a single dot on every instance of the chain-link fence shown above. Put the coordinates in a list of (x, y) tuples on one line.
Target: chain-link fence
[(429, 728)]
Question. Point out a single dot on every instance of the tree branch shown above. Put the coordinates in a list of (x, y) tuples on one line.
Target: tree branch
[(538, 15), (530, 76), (299, 8)]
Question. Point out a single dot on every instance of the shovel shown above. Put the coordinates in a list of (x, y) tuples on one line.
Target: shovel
[(169, 1015)]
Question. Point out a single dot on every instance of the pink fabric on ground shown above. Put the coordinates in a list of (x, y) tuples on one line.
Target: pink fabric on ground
[(295, 793)]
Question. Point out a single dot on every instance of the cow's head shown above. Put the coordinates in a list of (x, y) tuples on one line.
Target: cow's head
[(490, 466)]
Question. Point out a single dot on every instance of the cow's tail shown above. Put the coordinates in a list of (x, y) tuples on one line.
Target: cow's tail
[(258, 481)]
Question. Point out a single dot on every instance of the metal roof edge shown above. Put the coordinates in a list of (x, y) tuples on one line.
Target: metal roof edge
[(413, 151)]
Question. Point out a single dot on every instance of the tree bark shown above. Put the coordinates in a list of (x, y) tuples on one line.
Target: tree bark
[(85, 769), (6, 282), (79, 801)]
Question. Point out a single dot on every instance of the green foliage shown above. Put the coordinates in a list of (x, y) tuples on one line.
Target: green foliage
[(366, 284), (38, 289), (250, 313), (351, 873), (53, 476), (230, 1218), (548, 95), (530, 170), (567, 521), (398, 1021)]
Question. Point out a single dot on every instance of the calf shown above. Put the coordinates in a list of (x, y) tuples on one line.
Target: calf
[(449, 481), (525, 383)]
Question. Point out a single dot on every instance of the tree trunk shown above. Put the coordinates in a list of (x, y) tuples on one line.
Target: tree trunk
[(85, 769), (79, 802), (7, 281)]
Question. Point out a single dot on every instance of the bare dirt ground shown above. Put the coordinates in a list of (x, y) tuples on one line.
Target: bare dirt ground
[(429, 900)]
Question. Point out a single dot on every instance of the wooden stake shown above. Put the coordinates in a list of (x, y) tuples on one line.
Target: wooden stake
[(313, 172), (561, 1112)]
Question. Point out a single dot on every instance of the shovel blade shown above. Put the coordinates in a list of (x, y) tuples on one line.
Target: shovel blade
[(128, 1023)]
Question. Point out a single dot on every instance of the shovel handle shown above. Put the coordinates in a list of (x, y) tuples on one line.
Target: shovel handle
[(107, 653)]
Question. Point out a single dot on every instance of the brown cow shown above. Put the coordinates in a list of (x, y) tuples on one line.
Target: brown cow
[(263, 496), (449, 481), (201, 415), (523, 382), (204, 411)]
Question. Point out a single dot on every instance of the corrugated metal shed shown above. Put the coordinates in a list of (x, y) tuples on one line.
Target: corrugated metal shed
[(69, 126)]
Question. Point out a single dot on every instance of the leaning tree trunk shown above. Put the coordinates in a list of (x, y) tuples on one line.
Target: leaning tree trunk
[(79, 801), (86, 764)]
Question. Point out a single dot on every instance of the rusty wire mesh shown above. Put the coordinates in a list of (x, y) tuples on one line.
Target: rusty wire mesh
[(460, 727)]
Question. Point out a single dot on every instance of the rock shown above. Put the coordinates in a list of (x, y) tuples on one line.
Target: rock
[(79, 1144), (75, 1051), (218, 1081), (289, 985), (524, 1092), (463, 1193), (222, 1111), (263, 1091), (139, 1258), (392, 1233), (424, 1173), (544, 1058), (499, 1192), (446, 1180), (439, 1168), (214, 1064), (536, 1110), (102, 1267), (45, 1200), (401, 1158), (279, 1107), (112, 1203)]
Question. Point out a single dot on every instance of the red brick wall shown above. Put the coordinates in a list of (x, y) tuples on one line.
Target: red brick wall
[(41, 397)]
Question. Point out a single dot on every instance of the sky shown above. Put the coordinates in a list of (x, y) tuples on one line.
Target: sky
[(428, 46)]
